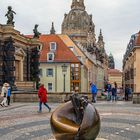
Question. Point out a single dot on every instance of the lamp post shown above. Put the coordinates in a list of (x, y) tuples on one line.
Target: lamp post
[(64, 71)]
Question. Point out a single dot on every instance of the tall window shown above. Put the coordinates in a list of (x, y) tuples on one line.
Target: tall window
[(52, 46), (50, 56), (49, 72), (75, 77), (40, 73), (50, 86)]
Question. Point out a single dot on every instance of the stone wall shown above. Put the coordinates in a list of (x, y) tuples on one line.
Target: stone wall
[(31, 96), (136, 98)]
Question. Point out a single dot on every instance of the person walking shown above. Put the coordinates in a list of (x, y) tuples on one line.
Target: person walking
[(113, 96), (127, 91), (8, 94), (116, 87), (93, 89), (108, 89), (4, 95), (42, 94)]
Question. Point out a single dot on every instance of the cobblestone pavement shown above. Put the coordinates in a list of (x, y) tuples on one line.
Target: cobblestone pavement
[(20, 121)]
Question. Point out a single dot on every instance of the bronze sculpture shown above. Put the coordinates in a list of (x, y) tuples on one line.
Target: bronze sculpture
[(36, 33), (76, 119), (10, 15)]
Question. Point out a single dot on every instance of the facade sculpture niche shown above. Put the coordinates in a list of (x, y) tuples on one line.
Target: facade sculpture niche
[(76, 119)]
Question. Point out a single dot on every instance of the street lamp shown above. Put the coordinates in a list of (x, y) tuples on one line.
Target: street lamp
[(64, 71)]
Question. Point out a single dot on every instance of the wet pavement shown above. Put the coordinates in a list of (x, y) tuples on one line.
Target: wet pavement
[(20, 121)]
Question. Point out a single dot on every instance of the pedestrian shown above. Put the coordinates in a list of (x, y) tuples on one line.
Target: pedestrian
[(4, 95), (113, 90), (108, 89), (8, 94), (93, 89), (127, 91), (116, 87), (42, 94)]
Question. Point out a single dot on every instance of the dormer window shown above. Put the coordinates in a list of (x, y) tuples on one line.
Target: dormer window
[(71, 48), (52, 46), (50, 56)]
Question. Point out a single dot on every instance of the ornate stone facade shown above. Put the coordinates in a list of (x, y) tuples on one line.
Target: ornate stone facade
[(79, 26), (78, 23), (20, 61), (131, 65)]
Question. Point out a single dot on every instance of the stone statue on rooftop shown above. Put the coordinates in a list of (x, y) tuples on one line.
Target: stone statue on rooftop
[(36, 33), (10, 15)]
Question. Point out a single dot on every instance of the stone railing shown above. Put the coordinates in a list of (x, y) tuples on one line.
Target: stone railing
[(136, 98), (31, 96)]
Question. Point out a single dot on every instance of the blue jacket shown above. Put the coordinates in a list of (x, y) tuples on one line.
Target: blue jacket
[(93, 89), (109, 87), (9, 91)]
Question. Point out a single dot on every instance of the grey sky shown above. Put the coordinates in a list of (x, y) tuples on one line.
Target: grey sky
[(118, 19)]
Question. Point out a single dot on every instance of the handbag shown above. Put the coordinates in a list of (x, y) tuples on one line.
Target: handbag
[(4, 94)]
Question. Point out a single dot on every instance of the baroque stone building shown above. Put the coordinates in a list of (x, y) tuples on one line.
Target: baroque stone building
[(115, 75), (18, 57), (131, 73), (79, 26), (131, 65)]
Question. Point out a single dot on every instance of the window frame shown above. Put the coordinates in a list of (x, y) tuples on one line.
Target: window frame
[(48, 56), (51, 87), (48, 73), (51, 47)]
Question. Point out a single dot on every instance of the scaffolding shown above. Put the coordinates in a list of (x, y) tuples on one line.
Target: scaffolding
[(7, 59)]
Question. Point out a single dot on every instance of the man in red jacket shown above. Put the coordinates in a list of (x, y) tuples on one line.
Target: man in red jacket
[(42, 94)]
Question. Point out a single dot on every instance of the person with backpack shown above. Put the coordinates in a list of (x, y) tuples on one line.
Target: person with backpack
[(93, 89)]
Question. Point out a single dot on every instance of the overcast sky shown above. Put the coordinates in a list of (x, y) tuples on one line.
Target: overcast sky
[(118, 19)]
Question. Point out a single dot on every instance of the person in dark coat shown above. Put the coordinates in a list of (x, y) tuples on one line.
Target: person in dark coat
[(114, 93), (116, 87), (127, 91), (42, 94)]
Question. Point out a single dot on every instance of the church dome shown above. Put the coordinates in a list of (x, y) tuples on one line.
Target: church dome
[(77, 22)]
